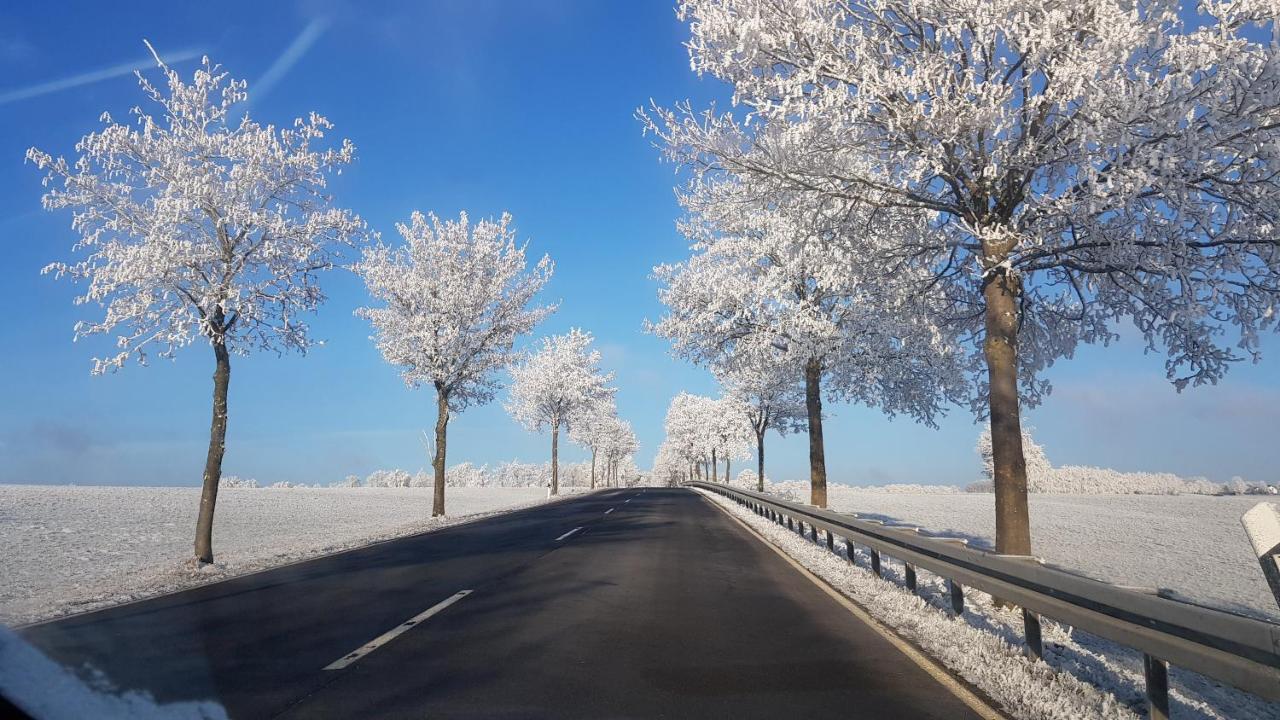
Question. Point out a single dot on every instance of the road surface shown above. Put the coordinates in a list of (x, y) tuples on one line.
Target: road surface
[(622, 603)]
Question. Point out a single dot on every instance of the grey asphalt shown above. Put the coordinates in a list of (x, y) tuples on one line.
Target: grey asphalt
[(664, 607)]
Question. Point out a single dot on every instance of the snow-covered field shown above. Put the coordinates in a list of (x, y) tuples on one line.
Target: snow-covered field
[(73, 548), (1082, 676), (1192, 544)]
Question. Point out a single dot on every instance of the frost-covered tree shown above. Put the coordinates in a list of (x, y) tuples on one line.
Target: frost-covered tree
[(619, 444), (1079, 164), (454, 299), (731, 435), (549, 388), (592, 427), (769, 277), (766, 393), (689, 429), (196, 226)]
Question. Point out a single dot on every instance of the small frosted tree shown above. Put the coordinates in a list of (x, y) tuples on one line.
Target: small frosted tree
[(731, 434), (200, 227), (455, 298), (591, 429), (766, 393), (554, 384)]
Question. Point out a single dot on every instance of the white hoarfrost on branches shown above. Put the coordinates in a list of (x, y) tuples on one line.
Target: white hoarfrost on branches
[(550, 388), (195, 225), (764, 390), (702, 432), (610, 439), (455, 298), (1120, 159), (771, 279), (1072, 166)]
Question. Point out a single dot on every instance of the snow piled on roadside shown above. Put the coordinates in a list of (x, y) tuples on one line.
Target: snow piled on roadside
[(46, 690), (1082, 676), (74, 548)]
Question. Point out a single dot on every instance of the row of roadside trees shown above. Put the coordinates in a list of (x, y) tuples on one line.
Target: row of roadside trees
[(918, 203), (199, 225)]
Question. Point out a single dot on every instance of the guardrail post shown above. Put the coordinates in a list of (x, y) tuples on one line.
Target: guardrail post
[(875, 561), (813, 532), (1031, 631), (1157, 687), (848, 550), (957, 596), (790, 523), (831, 541), (911, 577)]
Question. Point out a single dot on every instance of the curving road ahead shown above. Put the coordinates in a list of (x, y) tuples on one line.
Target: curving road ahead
[(622, 603)]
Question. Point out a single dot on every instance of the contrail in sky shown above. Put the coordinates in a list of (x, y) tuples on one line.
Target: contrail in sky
[(91, 77), (290, 57)]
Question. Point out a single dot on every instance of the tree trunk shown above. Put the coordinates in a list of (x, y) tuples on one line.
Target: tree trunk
[(437, 463), (715, 467), (728, 476), (555, 457), (593, 468), (217, 447), (760, 461), (817, 461), (1013, 522)]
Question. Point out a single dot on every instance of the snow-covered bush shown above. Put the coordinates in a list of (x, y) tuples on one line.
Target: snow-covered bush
[(1043, 478), (388, 478), (466, 475), (748, 480), (1240, 486), (422, 478), (352, 481), (902, 489), (231, 481), (1038, 467)]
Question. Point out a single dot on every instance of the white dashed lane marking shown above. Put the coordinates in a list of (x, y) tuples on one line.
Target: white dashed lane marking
[(562, 537), (395, 632)]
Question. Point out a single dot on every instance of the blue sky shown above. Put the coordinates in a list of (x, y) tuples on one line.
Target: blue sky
[(482, 106)]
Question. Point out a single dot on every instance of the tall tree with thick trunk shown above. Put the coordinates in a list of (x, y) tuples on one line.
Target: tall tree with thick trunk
[(200, 226), (455, 297), (1073, 167), (813, 413), (551, 389)]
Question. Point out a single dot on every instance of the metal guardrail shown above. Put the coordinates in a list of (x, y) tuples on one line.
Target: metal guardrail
[(1240, 651)]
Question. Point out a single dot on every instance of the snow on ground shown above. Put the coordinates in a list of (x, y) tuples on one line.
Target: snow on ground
[(74, 548), (1082, 676), (1192, 544)]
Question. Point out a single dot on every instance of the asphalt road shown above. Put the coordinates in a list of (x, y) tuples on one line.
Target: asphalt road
[(658, 606)]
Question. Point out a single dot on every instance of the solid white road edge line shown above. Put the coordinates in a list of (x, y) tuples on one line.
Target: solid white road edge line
[(568, 534), (606, 512), (926, 663), (392, 634)]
